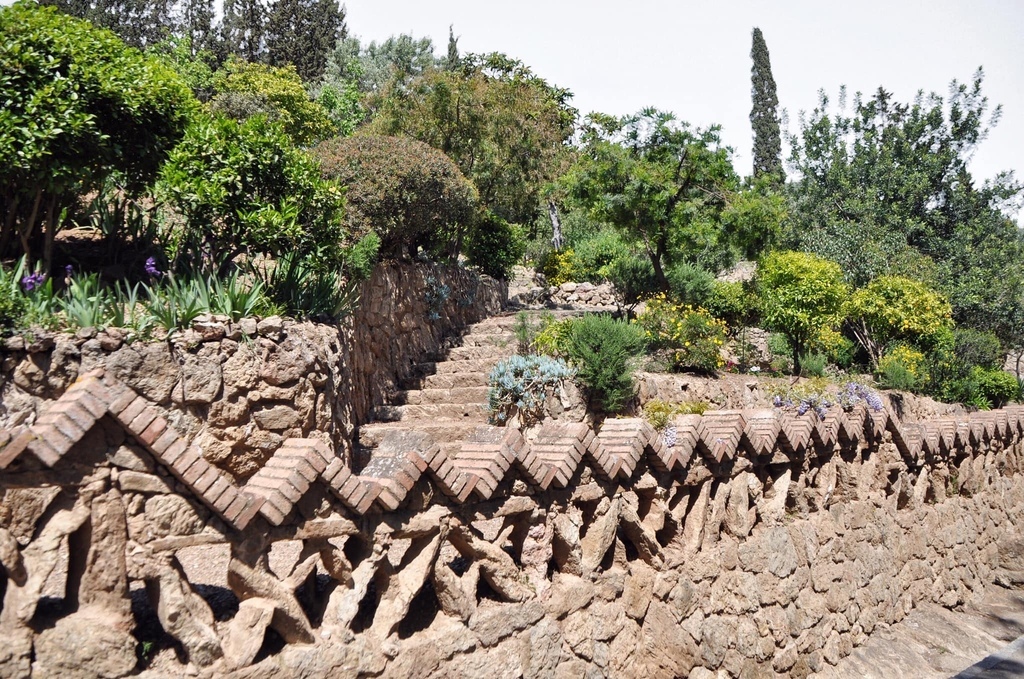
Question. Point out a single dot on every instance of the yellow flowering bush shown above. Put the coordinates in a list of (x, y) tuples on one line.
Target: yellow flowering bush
[(902, 367), (560, 266), (692, 337), (893, 309)]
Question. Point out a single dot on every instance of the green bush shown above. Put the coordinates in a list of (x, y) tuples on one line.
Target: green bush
[(800, 295), (495, 246), (997, 387), (692, 336), (903, 368), (558, 266), (602, 350), (813, 364), (242, 188), (977, 348), (78, 105), (731, 302), (594, 255), (894, 309), (411, 195), (302, 285), (689, 284), (633, 278)]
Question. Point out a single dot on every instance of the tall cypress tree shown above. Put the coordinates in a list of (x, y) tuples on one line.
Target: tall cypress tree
[(452, 60), (764, 116), (242, 29), (195, 19), (303, 33)]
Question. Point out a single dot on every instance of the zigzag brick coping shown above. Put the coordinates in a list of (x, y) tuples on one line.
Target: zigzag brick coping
[(550, 520), (490, 456)]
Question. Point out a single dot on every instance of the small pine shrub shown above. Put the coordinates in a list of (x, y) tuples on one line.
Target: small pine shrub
[(813, 365), (690, 284), (603, 350), (633, 278)]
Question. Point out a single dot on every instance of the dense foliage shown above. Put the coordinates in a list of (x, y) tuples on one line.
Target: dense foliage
[(78, 106), (603, 351), (764, 114), (411, 195)]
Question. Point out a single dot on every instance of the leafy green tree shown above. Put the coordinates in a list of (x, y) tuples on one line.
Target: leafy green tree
[(411, 195), (378, 66), (78, 106), (800, 296), (243, 188), (302, 33), (886, 189), (669, 187), (195, 68), (196, 25), (893, 309), (504, 127), (764, 116), (245, 89)]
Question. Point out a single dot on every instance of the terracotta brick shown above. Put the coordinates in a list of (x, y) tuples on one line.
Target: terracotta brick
[(414, 457), (143, 420), (66, 425), (95, 401), (337, 472), (174, 451), (122, 398), (299, 465), (287, 490), (46, 451), (167, 437), (391, 494), (225, 497), (191, 474), (206, 480), (133, 410), (15, 447), (289, 476), (74, 411), (271, 513), (56, 439), (220, 485), (371, 491), (305, 453), (239, 503), (153, 432)]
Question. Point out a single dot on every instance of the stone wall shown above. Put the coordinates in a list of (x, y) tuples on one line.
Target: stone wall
[(238, 390), (747, 542)]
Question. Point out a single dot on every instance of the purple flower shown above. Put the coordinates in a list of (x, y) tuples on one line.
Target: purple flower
[(69, 271), (33, 281), (151, 268)]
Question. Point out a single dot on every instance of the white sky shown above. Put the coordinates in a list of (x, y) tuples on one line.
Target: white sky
[(693, 58)]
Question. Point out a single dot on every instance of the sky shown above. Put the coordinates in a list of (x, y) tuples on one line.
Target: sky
[(693, 58)]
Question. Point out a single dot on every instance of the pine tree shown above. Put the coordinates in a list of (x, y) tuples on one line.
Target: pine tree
[(303, 33), (764, 117)]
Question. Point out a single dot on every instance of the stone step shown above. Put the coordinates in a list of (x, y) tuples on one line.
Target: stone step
[(475, 353), (455, 380), (491, 339), (450, 434), (475, 412), (478, 365), (456, 396)]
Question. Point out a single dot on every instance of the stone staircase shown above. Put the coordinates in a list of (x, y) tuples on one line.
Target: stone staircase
[(447, 399)]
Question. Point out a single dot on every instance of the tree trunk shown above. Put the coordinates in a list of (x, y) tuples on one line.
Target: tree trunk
[(556, 226)]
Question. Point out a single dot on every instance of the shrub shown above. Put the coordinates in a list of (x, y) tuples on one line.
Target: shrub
[(800, 295), (633, 278), (519, 385), (495, 246), (997, 387), (977, 348), (411, 195), (813, 364), (689, 284), (594, 255), (693, 337), (302, 285), (559, 266), (243, 188), (660, 413), (551, 337), (12, 301), (602, 350), (78, 105), (731, 302), (895, 309), (903, 368), (803, 398)]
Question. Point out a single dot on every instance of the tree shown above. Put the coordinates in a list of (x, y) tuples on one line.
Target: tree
[(79, 106), (669, 187), (886, 189), (894, 309), (303, 33), (243, 29), (244, 90), (243, 188), (504, 126), (195, 24), (764, 116), (801, 295), (452, 59), (140, 23), (410, 194)]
